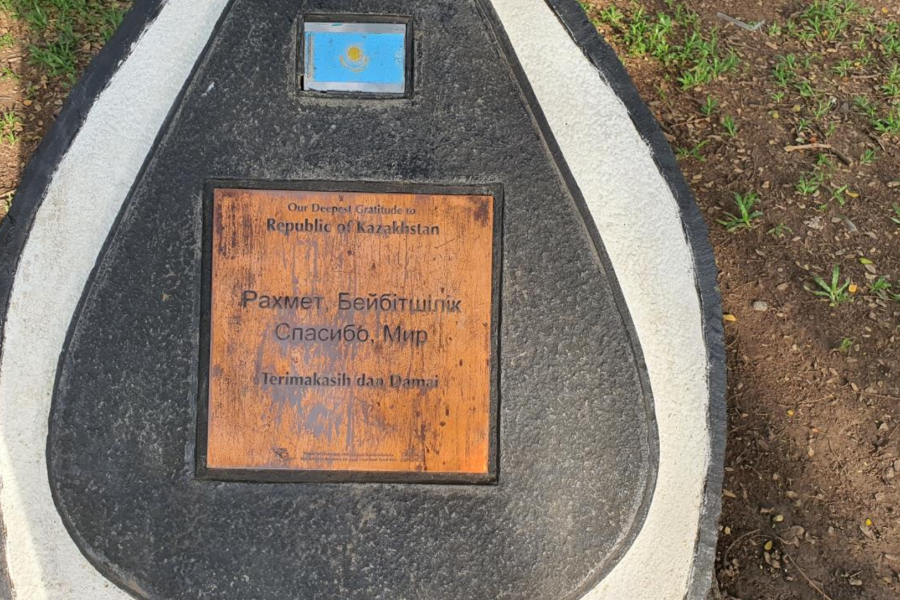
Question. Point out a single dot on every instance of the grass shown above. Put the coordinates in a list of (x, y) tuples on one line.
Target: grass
[(842, 193), (45, 45), (809, 183), (839, 195), (780, 230), (58, 58), (806, 89), (844, 68), (693, 152), (729, 125), (891, 87), (693, 55), (746, 213), (889, 124), (896, 209), (60, 28), (845, 345), (7, 73), (827, 20), (868, 157), (822, 108), (785, 71), (890, 40), (834, 291), (866, 106), (710, 106), (880, 287), (840, 25), (10, 125)]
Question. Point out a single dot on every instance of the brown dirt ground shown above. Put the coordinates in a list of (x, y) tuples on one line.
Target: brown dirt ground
[(813, 463), (812, 470)]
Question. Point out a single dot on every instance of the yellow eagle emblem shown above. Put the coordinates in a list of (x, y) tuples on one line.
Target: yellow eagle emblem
[(355, 59)]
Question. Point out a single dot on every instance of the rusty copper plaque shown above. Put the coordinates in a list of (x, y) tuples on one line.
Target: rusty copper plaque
[(351, 334)]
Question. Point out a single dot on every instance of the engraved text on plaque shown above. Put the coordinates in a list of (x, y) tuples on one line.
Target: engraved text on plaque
[(351, 333)]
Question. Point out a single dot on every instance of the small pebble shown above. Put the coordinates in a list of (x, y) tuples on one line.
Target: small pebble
[(760, 306)]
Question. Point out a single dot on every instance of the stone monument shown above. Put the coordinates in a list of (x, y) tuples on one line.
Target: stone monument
[(358, 299)]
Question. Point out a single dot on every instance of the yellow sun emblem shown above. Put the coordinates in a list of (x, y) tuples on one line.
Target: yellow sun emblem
[(355, 59)]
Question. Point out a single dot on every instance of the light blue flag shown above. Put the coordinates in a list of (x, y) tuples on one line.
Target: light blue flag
[(355, 57)]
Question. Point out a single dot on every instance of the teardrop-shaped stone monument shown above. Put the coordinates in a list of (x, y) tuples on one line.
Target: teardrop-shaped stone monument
[(358, 299)]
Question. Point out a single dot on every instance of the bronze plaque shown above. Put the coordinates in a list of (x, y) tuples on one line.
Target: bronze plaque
[(351, 334)]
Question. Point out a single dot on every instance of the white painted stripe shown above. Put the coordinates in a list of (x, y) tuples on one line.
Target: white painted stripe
[(84, 197), (640, 224)]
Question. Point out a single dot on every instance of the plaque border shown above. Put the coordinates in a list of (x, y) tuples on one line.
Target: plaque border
[(256, 475), (299, 43)]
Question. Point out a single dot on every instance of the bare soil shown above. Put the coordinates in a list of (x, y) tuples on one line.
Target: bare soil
[(813, 460)]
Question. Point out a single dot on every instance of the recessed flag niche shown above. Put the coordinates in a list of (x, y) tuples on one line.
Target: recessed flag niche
[(367, 58)]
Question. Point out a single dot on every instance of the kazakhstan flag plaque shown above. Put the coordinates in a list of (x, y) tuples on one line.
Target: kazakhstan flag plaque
[(363, 57)]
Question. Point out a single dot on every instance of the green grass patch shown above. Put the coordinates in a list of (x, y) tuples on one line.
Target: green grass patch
[(710, 106), (730, 126), (693, 55), (891, 86), (888, 124), (746, 215), (828, 20), (834, 291), (809, 183), (10, 126), (692, 152), (868, 157), (785, 72), (60, 28)]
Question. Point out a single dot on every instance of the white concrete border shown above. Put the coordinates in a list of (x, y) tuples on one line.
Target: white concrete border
[(81, 205), (640, 224), (635, 212)]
